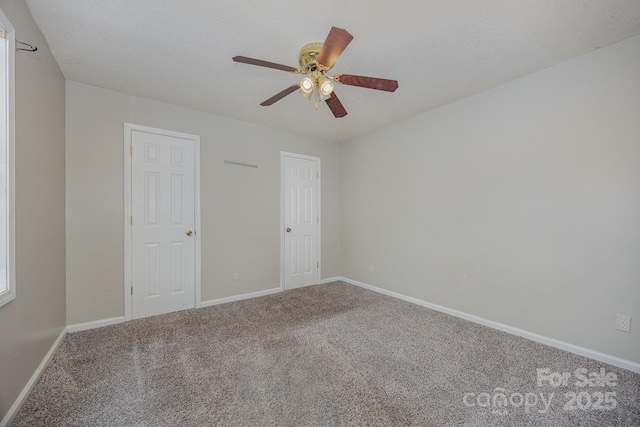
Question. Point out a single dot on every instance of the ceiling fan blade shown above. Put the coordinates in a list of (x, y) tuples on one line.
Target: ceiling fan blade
[(278, 96), (336, 106), (368, 82), (261, 63), (337, 40)]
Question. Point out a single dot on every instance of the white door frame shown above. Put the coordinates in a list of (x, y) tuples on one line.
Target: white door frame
[(128, 241), (284, 154)]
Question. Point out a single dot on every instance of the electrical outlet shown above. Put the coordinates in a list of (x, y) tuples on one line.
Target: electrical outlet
[(235, 275), (371, 268), (623, 323)]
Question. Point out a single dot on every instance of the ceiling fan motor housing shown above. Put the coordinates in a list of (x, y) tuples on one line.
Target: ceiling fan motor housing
[(308, 58)]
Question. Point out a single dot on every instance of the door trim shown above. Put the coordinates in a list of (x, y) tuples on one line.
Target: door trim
[(284, 154), (128, 241)]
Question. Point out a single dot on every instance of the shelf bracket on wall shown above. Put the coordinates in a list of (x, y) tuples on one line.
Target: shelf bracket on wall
[(231, 162)]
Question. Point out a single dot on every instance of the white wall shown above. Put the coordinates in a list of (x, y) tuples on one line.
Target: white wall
[(240, 206), (520, 205), (33, 320)]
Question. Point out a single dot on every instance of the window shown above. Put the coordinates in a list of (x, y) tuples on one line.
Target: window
[(7, 252)]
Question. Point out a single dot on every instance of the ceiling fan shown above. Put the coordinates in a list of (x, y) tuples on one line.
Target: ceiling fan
[(315, 60)]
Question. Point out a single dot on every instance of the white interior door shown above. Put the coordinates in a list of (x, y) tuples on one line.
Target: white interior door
[(301, 221), (163, 223)]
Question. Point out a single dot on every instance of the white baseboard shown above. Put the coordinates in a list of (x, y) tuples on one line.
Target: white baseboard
[(95, 324), (331, 279), (115, 320), (257, 294), (6, 421), (581, 351), (239, 297)]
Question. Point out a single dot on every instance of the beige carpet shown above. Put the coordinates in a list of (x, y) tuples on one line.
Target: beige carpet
[(324, 355)]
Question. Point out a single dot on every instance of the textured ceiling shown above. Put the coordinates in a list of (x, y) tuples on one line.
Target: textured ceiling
[(179, 51)]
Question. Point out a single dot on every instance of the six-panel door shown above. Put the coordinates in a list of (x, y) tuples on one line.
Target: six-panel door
[(301, 218), (163, 208)]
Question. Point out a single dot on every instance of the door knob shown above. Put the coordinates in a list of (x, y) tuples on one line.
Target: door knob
[(189, 232), (288, 230)]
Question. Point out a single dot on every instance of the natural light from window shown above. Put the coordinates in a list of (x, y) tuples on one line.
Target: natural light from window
[(7, 43), (3, 165)]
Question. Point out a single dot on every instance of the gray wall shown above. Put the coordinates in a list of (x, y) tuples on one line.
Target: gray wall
[(240, 206), (31, 323), (520, 205)]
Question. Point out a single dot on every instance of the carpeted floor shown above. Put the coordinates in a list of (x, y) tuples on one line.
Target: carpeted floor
[(324, 355)]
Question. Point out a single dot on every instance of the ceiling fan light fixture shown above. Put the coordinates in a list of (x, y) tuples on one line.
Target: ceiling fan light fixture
[(306, 85), (326, 87)]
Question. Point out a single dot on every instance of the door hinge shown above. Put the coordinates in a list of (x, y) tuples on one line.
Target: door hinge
[(131, 150), (131, 289), (3, 34), (318, 264), (131, 220), (317, 174)]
